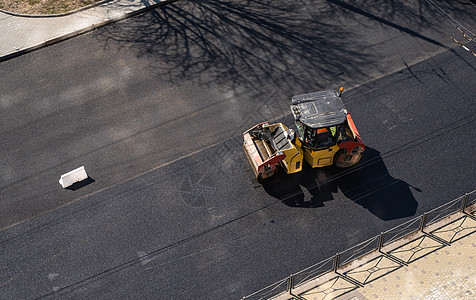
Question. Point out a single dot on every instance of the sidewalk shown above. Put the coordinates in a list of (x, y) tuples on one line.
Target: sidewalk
[(21, 34), (439, 263)]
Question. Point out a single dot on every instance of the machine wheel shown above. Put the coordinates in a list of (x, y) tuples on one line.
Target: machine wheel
[(345, 164)]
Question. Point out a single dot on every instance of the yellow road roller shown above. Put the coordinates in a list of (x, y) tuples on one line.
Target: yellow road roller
[(326, 135)]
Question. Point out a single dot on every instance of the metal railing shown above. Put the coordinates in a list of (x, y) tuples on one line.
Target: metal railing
[(401, 230), (311, 272), (375, 243), (272, 290)]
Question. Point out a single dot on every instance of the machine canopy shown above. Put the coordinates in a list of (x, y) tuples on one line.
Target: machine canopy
[(319, 109)]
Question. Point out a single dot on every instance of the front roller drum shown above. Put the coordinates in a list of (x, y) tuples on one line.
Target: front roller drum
[(263, 163)]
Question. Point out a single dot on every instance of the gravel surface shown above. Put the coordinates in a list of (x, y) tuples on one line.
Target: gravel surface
[(43, 7)]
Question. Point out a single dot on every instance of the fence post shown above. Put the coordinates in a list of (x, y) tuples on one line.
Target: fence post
[(290, 283), (336, 262), (380, 241), (423, 221), (464, 203)]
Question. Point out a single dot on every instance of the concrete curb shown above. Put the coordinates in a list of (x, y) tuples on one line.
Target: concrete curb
[(56, 15), (92, 27)]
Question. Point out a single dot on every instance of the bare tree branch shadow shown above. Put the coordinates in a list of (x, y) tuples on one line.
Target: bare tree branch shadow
[(289, 45), (241, 43)]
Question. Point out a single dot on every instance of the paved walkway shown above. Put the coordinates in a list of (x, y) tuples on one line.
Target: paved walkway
[(437, 264), (24, 33)]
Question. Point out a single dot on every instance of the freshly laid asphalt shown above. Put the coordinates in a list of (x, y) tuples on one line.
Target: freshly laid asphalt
[(134, 95), (200, 226)]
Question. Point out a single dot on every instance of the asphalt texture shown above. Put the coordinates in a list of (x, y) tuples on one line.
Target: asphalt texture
[(132, 96), (154, 107)]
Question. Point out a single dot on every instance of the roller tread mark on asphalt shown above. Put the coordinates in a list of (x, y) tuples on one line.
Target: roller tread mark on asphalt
[(193, 189)]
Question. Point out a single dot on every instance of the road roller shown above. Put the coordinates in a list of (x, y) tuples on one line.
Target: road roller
[(325, 135)]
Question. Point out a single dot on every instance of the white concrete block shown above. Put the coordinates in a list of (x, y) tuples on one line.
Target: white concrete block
[(74, 176)]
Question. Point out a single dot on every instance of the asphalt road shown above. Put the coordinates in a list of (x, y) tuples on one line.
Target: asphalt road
[(166, 95), (133, 96)]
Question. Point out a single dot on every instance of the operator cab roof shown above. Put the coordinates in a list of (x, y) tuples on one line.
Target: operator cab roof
[(319, 109)]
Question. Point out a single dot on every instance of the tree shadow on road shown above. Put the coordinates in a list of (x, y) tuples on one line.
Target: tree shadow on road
[(241, 43), (368, 184), (286, 44)]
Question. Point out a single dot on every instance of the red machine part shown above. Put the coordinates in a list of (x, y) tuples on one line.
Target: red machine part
[(352, 149), (354, 130), (263, 164), (272, 160)]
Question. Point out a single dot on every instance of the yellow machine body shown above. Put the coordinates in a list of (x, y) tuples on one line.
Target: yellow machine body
[(326, 135), (268, 146), (317, 158)]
